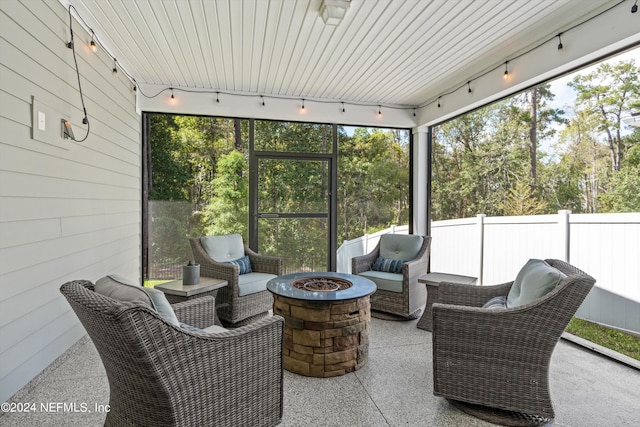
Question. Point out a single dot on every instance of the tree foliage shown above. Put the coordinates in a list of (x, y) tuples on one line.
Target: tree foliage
[(484, 160)]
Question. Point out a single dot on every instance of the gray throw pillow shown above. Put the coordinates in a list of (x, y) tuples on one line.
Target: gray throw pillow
[(535, 279)]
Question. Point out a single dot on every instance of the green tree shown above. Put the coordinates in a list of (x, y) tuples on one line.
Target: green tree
[(608, 94), (227, 213)]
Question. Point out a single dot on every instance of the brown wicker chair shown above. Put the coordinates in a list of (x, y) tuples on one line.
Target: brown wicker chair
[(495, 363), (233, 309), (163, 375), (413, 295)]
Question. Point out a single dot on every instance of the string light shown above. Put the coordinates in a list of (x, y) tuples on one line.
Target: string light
[(303, 103), (379, 111), (414, 112), (560, 46), (172, 98), (469, 85), (115, 67), (262, 97), (438, 102), (218, 97), (506, 70), (343, 107), (92, 43)]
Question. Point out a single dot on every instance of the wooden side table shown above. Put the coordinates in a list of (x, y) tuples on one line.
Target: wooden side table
[(433, 280), (176, 291)]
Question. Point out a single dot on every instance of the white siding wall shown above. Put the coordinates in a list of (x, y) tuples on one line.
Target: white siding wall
[(67, 210)]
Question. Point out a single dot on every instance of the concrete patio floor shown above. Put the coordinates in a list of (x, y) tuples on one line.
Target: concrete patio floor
[(394, 388)]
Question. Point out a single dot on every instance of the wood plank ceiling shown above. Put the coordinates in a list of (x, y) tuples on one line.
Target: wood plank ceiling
[(389, 52)]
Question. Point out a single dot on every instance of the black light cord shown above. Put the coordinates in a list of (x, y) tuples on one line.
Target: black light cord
[(499, 66), (71, 44), (262, 97)]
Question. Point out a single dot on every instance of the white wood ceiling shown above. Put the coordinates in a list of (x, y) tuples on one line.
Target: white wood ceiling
[(389, 52)]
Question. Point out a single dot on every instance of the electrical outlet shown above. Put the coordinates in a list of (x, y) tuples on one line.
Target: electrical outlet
[(42, 123)]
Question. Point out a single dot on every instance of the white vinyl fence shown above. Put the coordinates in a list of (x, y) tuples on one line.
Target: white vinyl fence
[(606, 246)]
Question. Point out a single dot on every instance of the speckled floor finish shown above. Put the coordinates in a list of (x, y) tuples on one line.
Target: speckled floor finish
[(394, 388)]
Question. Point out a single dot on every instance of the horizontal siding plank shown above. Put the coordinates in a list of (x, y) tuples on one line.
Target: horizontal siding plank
[(24, 232), (24, 208), (24, 256), (26, 286), (25, 185)]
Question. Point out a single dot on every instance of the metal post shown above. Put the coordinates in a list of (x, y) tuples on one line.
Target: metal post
[(481, 246)]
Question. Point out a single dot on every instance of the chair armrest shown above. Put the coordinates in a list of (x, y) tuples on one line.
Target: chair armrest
[(240, 370), (510, 338), (470, 295), (363, 262), (198, 312), (264, 263)]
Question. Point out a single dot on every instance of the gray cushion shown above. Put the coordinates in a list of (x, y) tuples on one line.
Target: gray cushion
[(400, 246), (162, 306), (208, 330), (224, 248), (251, 283), (496, 303), (386, 281), (122, 289), (535, 279)]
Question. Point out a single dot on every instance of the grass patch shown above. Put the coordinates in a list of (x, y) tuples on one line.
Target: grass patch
[(153, 283), (613, 339)]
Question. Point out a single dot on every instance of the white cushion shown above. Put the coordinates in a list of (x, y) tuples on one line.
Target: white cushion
[(223, 248), (400, 246)]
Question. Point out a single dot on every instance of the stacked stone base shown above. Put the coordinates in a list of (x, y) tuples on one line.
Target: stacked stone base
[(324, 338)]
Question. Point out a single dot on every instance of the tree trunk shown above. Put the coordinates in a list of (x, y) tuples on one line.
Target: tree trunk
[(533, 140), (238, 135)]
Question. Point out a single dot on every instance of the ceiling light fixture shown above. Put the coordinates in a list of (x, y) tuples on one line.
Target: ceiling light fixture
[(303, 103), (333, 11), (218, 97), (414, 112), (379, 111), (438, 102), (262, 97), (469, 85), (115, 67), (343, 107), (634, 8), (560, 45), (172, 98), (506, 70)]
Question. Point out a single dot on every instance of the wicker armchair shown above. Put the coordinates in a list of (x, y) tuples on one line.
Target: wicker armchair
[(495, 363), (234, 308), (163, 375), (398, 294)]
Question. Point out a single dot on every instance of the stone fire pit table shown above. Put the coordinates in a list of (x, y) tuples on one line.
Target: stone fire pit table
[(327, 321)]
